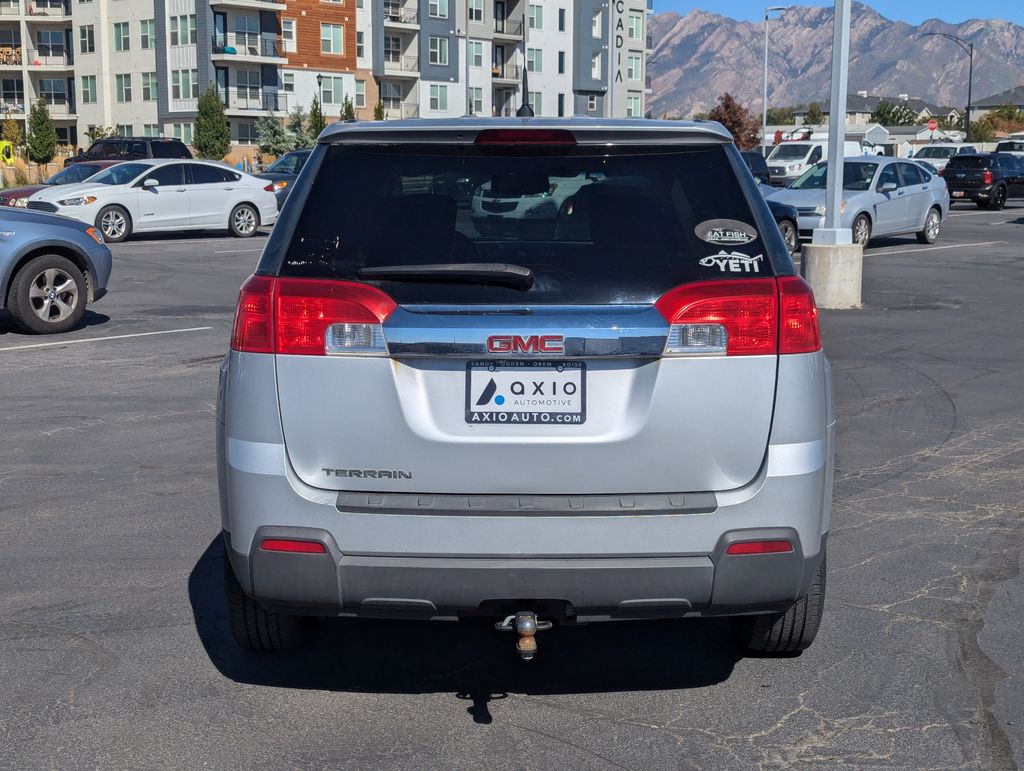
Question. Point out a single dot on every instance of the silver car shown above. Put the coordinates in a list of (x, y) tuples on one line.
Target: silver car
[(881, 197), (624, 414)]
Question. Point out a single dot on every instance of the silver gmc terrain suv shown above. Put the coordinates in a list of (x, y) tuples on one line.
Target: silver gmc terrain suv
[(546, 371)]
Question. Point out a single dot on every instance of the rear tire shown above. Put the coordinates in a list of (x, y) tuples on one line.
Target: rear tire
[(932, 223), (253, 626), (790, 235), (862, 230), (998, 199), (792, 631), (114, 223), (48, 295), (243, 221)]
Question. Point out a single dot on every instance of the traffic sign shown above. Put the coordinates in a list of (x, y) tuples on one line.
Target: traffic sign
[(933, 124)]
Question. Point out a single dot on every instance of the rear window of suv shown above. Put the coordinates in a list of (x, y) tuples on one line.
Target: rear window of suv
[(169, 149), (595, 225), (968, 162)]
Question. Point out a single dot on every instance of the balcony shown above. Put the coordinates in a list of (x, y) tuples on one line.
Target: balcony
[(49, 59), (249, 100), (246, 48), (58, 105), (10, 57), (402, 15), (47, 10), (510, 72), (402, 67), (12, 105), (402, 111), (10, 10), (255, 5), (508, 28)]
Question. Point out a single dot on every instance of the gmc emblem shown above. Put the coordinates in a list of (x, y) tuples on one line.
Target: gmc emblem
[(531, 344)]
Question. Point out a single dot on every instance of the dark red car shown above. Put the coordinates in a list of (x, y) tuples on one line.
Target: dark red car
[(80, 172)]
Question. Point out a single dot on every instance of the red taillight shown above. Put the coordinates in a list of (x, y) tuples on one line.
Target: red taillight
[(292, 545), (294, 316), (747, 310), (759, 547), (269, 188), (798, 317), (526, 137), (253, 331), (305, 308), (986, 177)]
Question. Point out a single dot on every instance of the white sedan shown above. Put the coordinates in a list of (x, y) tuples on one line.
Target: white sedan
[(164, 195)]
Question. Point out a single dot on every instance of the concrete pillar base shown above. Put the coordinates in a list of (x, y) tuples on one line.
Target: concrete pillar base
[(834, 273)]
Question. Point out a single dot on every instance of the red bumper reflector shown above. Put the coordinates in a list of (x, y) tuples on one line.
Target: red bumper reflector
[(289, 545), (759, 547)]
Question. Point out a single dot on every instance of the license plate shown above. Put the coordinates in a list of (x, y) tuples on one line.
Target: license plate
[(526, 392), (958, 194)]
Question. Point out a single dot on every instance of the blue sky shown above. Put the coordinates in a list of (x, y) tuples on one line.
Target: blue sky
[(912, 11)]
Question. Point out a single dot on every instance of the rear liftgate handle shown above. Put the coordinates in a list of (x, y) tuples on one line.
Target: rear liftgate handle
[(526, 624)]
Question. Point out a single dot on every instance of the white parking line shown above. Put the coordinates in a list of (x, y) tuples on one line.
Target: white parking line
[(101, 339), (974, 213), (236, 251), (871, 253)]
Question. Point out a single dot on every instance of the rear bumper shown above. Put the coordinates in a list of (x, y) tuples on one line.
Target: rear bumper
[(970, 193)]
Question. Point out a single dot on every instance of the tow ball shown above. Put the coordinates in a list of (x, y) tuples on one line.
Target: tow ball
[(526, 624)]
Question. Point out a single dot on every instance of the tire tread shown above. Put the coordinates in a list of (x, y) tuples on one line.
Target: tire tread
[(794, 630)]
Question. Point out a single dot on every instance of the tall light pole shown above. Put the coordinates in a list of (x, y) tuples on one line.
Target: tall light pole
[(764, 102), (968, 48)]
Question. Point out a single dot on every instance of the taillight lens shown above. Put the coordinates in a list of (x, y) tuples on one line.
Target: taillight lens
[(528, 136), (315, 317), (759, 547), (986, 177), (798, 317), (736, 318), (292, 545), (253, 331), (310, 317)]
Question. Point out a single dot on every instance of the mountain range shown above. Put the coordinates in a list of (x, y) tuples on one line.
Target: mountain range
[(701, 55)]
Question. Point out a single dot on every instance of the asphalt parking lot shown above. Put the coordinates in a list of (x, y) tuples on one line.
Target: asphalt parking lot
[(114, 650)]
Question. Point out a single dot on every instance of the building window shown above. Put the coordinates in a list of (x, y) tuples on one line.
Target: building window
[(247, 32), (561, 62), (332, 39), (151, 130), (147, 33), (632, 106), (534, 101), (360, 93), (392, 48), (595, 66), (561, 105), (248, 84), (88, 89), (184, 84), (536, 17), (288, 82), (247, 133), (476, 101), (635, 30), (125, 130), (288, 35), (476, 10), (438, 9), (360, 48), (149, 87), (595, 24), (534, 60), (182, 131), (333, 92), (561, 20), (122, 37), (591, 102), (391, 95), (438, 47), (438, 97), (476, 53), (87, 39), (53, 90), (633, 67), (123, 87), (183, 29)]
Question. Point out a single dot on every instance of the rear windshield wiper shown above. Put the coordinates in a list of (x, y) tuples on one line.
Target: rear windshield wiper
[(516, 276)]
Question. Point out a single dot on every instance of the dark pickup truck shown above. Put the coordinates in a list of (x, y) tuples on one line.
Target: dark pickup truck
[(988, 179)]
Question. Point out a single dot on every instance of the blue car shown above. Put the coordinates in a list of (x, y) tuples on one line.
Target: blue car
[(50, 269)]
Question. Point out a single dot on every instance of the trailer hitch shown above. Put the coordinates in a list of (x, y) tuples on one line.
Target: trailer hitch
[(526, 624)]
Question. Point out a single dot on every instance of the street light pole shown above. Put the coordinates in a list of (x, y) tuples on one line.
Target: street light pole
[(968, 48), (764, 101)]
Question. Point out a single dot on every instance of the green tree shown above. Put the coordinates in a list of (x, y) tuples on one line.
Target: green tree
[(378, 111), (11, 132), (949, 124), (42, 136), (889, 114), (814, 114), (1008, 112), (95, 133), (211, 136), (348, 110), (272, 136), (740, 122), (983, 130), (781, 116), (316, 118), (297, 128)]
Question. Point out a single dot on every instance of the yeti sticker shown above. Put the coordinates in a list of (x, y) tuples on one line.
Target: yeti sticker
[(733, 262), (725, 232)]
